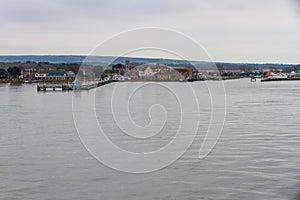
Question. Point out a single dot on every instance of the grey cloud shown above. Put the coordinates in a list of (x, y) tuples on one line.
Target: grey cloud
[(75, 26), (42, 10)]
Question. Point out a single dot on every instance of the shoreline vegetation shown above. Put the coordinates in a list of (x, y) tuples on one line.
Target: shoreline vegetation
[(65, 69)]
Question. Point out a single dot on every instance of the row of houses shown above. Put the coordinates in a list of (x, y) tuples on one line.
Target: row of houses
[(47, 75)]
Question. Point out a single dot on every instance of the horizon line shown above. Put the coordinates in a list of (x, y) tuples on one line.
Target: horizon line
[(82, 55)]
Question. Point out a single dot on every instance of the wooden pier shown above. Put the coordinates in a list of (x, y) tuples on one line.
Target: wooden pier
[(68, 87), (54, 87)]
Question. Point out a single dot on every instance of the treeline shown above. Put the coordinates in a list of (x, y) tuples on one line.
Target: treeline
[(13, 70), (40, 65)]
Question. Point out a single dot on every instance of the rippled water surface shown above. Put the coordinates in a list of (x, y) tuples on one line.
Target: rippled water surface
[(256, 157)]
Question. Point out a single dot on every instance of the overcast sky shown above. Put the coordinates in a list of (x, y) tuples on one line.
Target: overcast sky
[(230, 30)]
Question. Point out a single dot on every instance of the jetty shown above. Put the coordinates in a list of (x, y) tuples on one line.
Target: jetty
[(280, 79), (68, 87), (54, 87)]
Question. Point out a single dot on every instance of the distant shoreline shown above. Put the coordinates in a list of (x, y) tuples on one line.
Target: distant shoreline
[(3, 81), (78, 59)]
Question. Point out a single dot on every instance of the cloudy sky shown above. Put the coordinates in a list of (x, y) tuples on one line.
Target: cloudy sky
[(229, 30)]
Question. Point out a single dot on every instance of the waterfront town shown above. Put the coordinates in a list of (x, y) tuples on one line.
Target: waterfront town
[(34, 72)]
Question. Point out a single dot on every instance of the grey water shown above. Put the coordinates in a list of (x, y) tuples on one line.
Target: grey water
[(257, 155)]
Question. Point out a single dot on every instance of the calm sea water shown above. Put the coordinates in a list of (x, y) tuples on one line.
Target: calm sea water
[(256, 157)]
